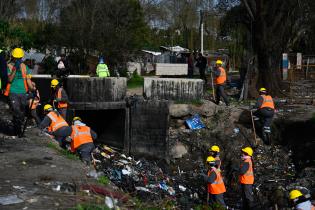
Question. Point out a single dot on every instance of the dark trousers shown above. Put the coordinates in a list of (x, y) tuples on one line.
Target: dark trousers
[(35, 116), (202, 75), (190, 72), (61, 134), (217, 199), (219, 92), (18, 103), (85, 151), (63, 113), (247, 196), (266, 114)]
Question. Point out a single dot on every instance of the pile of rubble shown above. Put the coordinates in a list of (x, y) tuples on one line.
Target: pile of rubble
[(149, 182)]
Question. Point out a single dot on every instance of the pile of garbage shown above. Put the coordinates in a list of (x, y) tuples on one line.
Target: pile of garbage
[(147, 181)]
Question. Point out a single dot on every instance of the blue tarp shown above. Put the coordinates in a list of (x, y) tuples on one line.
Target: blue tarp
[(195, 123)]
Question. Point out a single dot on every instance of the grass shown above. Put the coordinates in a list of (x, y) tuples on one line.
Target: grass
[(63, 152), (103, 180), (135, 81), (90, 207)]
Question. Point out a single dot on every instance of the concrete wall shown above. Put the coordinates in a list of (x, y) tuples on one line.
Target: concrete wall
[(173, 89), (149, 123), (171, 69), (86, 90), (94, 89)]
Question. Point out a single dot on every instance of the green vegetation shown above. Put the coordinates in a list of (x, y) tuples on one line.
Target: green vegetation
[(90, 207), (63, 152), (135, 81), (103, 180)]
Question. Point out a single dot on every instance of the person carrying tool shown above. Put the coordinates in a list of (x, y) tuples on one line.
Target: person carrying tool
[(214, 151), (33, 104), (299, 201), (102, 69), (19, 83), (216, 186), (82, 138), (265, 109), (55, 125), (60, 98), (220, 80), (246, 178)]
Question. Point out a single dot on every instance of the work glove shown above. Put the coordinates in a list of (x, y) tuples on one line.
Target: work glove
[(68, 139)]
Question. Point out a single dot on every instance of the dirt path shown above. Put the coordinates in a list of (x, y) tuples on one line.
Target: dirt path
[(135, 91), (30, 169)]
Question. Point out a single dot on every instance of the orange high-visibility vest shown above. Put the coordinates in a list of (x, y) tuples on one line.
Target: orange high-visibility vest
[(222, 77), (312, 207), (80, 135), (56, 121), (60, 103), (35, 102), (248, 177), (267, 102), (217, 187), (23, 70)]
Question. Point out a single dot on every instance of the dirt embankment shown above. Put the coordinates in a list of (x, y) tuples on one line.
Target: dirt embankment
[(278, 167)]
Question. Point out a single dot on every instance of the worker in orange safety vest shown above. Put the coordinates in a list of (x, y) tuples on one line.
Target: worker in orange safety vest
[(220, 80), (19, 83), (54, 124), (265, 108), (60, 97), (246, 178), (82, 138), (215, 184)]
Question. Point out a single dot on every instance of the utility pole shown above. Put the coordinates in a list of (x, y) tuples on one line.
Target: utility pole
[(201, 31)]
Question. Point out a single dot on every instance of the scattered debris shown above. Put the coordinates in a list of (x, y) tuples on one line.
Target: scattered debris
[(195, 123), (10, 199)]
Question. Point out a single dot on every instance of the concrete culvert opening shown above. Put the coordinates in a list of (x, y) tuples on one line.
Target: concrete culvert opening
[(108, 124)]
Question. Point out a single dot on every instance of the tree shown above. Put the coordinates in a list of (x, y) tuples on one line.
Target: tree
[(14, 36), (272, 26), (115, 28)]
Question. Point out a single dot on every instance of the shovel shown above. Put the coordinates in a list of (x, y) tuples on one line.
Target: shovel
[(212, 86), (253, 124)]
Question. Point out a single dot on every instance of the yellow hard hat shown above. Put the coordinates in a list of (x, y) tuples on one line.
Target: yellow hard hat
[(76, 118), (248, 150), (54, 83), (47, 107), (18, 53), (262, 90), (210, 159), (215, 148), (219, 62), (295, 194)]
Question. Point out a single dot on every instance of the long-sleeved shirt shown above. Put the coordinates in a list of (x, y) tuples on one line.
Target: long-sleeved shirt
[(212, 177), (259, 102), (244, 168), (64, 96)]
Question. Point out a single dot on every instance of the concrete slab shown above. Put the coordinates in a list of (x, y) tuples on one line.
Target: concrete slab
[(173, 89)]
